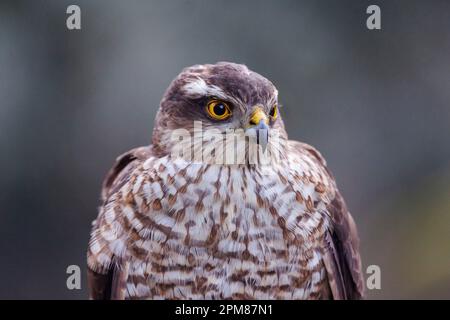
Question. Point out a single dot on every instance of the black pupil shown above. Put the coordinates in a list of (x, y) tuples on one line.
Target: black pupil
[(219, 109), (272, 112)]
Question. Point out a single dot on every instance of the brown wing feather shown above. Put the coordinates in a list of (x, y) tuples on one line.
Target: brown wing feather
[(342, 259), (111, 283), (100, 285)]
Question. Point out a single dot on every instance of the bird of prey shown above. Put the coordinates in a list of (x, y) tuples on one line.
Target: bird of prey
[(175, 228)]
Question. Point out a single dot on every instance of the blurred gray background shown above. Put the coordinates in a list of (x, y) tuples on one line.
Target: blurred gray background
[(375, 103)]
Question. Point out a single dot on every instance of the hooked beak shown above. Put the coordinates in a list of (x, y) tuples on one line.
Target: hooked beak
[(258, 123)]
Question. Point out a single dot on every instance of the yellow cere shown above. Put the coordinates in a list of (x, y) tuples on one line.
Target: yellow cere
[(258, 115)]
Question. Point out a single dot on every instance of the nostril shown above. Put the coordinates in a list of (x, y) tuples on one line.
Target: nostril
[(253, 122)]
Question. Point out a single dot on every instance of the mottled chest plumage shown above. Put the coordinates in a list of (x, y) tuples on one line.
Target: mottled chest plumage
[(208, 231)]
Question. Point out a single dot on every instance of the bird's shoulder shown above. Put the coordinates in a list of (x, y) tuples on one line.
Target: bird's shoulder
[(341, 258), (307, 165), (108, 239), (301, 149), (123, 167)]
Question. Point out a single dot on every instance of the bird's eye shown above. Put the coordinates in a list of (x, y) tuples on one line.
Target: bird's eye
[(274, 112), (218, 110)]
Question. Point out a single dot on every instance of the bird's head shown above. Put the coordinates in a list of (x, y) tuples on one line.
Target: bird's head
[(223, 97)]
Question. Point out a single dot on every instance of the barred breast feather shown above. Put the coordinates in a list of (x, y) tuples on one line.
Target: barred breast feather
[(172, 229)]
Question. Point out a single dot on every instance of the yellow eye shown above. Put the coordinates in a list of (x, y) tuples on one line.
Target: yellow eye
[(218, 110), (274, 112)]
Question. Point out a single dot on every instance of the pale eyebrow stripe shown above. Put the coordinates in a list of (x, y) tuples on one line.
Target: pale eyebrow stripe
[(199, 87)]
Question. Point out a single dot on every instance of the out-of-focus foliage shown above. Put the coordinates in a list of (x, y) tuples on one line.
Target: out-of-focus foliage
[(409, 238)]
